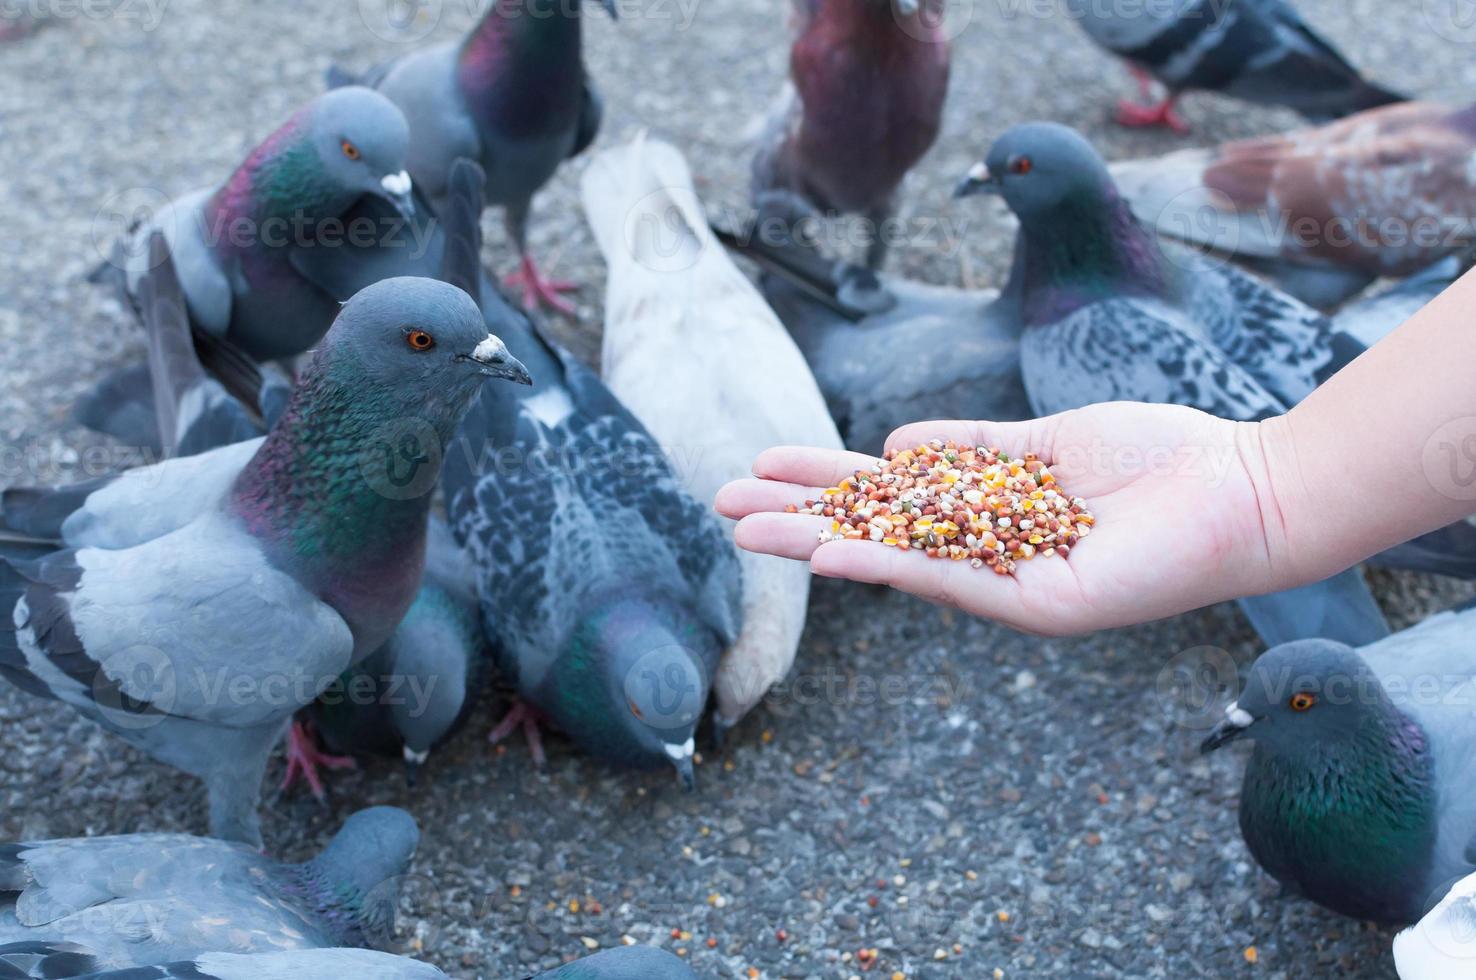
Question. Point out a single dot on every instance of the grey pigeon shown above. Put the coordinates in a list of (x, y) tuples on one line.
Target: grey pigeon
[(1443, 943), (142, 899), (707, 341), (864, 103), (514, 96), (625, 588), (963, 345), (236, 246), (238, 583), (623, 963), (1359, 793), (1323, 211), (1258, 50), (1106, 314)]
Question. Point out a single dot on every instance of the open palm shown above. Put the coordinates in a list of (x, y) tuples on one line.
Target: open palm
[(1178, 519)]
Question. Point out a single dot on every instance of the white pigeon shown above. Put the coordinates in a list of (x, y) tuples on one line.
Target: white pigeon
[(695, 352), (1442, 945)]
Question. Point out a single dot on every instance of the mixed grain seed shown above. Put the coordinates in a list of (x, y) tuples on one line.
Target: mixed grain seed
[(975, 504)]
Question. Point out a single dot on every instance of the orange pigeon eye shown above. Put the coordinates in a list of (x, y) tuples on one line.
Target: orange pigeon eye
[(420, 340), (1021, 166), (1302, 701), (636, 711), (350, 150)]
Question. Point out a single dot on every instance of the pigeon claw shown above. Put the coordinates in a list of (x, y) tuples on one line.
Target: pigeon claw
[(304, 758), (523, 716), (1136, 116), (539, 292)]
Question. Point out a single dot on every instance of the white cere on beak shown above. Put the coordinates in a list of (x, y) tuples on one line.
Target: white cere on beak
[(415, 758), (396, 184), (1238, 716), (979, 172), (679, 752), (489, 350)]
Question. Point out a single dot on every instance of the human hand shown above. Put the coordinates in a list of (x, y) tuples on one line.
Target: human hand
[(1174, 492)]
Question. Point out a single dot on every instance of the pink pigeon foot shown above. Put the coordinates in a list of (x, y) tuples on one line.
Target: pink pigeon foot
[(538, 291), (1147, 116), (304, 757), (520, 715), (1144, 80)]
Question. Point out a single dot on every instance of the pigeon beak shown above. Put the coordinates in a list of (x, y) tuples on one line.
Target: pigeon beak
[(681, 760), (413, 761), (1230, 728), (978, 181), (397, 189), (495, 361)]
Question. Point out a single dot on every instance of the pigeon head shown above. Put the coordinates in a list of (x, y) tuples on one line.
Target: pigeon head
[(362, 138), (1037, 168), (362, 869), (1303, 697), (344, 145), (431, 652), (416, 342), (635, 681)]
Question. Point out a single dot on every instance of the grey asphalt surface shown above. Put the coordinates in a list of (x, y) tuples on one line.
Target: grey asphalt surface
[(960, 798)]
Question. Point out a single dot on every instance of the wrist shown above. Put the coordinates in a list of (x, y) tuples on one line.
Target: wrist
[(1280, 498)]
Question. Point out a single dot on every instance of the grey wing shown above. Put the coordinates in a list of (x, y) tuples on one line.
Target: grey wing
[(52, 880), (194, 411), (130, 508), (1278, 340), (1129, 350), (157, 630), (206, 286)]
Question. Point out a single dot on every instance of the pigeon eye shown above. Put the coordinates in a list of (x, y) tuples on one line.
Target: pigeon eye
[(350, 150), (1302, 701), (420, 340), (636, 711), (1021, 166)]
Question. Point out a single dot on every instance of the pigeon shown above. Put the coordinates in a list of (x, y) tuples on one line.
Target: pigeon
[(1261, 51), (623, 963), (1108, 315), (963, 345), (68, 960), (236, 246), (1358, 794), (626, 588), (707, 341), (514, 96), (1325, 210), (142, 899), (1441, 945), (416, 691), (227, 589), (868, 79)]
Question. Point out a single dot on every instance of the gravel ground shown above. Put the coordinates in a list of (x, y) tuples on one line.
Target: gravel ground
[(955, 796)]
